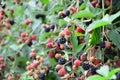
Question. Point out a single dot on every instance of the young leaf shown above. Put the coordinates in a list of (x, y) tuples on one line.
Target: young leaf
[(113, 72), (80, 47), (44, 1), (114, 36), (74, 42), (97, 24), (83, 14), (96, 77), (114, 16), (104, 70)]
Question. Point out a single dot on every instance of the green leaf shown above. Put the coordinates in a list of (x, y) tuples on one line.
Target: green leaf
[(80, 47), (113, 72), (79, 34), (62, 22), (44, 1), (99, 23), (114, 16), (82, 6), (94, 77), (74, 42), (114, 36), (93, 39), (104, 70), (83, 14)]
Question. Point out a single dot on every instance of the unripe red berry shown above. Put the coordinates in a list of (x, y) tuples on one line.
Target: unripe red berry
[(8, 20), (79, 29), (33, 37), (28, 67), (49, 45), (107, 44), (61, 72), (67, 31), (107, 2), (32, 54), (35, 76), (77, 62), (61, 34), (72, 9), (7, 26), (27, 22), (23, 34), (60, 13), (1, 58), (10, 78), (1, 17), (57, 47), (51, 53), (18, 75), (58, 55), (34, 64), (11, 11), (83, 57), (118, 63), (2, 12), (30, 73), (58, 66), (96, 62), (49, 40), (93, 3)]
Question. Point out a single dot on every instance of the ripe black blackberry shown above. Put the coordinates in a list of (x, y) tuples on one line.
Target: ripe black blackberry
[(12, 22), (47, 29), (62, 40), (41, 76), (39, 16), (86, 66), (93, 70), (52, 26), (66, 12), (118, 76), (30, 44), (62, 61), (102, 44), (108, 50)]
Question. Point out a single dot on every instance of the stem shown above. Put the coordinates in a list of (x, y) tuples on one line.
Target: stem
[(103, 29), (77, 5), (110, 7)]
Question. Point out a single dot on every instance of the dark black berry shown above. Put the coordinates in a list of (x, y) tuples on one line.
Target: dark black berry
[(62, 40), (30, 44), (52, 26), (118, 76), (66, 12), (47, 29), (39, 16), (63, 16), (62, 61), (108, 50), (102, 44), (12, 22), (93, 70), (41, 76), (85, 66)]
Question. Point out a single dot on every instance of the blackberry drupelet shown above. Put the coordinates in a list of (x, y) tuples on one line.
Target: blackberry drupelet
[(62, 61), (102, 44), (37, 16), (85, 66), (47, 29), (12, 22), (66, 12), (41, 76), (52, 26), (62, 40), (93, 70)]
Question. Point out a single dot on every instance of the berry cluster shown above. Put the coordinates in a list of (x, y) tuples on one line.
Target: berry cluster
[(36, 68), (25, 38)]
